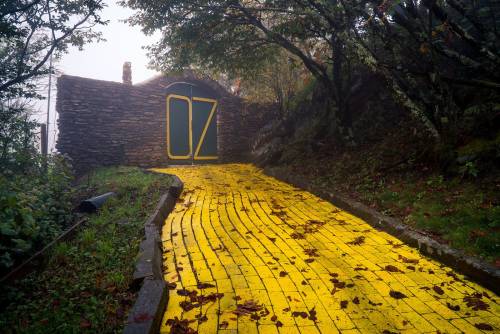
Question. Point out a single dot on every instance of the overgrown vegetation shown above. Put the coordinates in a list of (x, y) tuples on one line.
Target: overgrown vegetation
[(34, 209), (439, 59), (392, 170), (35, 190), (85, 285)]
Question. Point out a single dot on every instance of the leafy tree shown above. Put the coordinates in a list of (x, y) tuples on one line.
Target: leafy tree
[(278, 82), (31, 31), (432, 53), (440, 57), (34, 191), (17, 138), (240, 37)]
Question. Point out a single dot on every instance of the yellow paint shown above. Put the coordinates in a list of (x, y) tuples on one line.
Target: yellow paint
[(190, 117), (233, 228), (202, 138)]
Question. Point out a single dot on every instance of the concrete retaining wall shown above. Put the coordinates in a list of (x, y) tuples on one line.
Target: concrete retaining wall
[(146, 314)]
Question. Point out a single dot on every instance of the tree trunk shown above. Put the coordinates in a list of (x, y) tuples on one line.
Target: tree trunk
[(344, 115)]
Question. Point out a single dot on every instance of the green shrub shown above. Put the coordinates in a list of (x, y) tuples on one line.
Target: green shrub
[(17, 225), (34, 208)]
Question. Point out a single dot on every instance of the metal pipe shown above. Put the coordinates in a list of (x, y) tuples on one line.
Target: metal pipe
[(94, 203)]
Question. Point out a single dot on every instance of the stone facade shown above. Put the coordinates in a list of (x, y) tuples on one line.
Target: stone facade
[(110, 123)]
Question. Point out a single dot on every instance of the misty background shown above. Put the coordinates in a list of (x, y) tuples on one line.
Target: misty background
[(102, 61)]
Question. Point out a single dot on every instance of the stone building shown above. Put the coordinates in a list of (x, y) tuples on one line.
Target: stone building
[(165, 120)]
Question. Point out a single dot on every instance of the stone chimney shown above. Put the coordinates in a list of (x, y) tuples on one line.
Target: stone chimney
[(127, 73)]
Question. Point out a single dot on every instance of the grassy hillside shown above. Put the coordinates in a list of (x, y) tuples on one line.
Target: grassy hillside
[(84, 286), (452, 193)]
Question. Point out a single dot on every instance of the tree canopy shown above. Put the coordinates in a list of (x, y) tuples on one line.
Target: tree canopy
[(33, 30), (426, 50)]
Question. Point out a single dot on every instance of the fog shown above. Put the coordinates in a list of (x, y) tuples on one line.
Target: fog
[(101, 61)]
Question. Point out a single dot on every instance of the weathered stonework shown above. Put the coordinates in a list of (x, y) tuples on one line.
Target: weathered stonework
[(109, 123)]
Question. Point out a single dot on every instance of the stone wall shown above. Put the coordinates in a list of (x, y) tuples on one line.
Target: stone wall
[(109, 123)]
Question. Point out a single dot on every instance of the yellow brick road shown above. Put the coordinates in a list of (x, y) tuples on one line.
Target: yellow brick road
[(245, 253)]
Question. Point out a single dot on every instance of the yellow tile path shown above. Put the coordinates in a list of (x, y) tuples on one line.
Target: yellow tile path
[(290, 262)]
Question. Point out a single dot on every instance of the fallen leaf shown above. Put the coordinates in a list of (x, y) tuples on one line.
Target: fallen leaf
[(180, 326), (201, 318), (249, 307), (397, 295), (296, 235), (474, 301), (312, 314), (453, 307), (302, 314), (357, 241), (312, 252), (339, 285), (407, 260), (184, 292), (392, 269), (438, 290), (484, 327), (374, 304), (361, 268), (202, 286)]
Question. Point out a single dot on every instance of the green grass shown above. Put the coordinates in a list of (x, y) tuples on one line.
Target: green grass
[(463, 212), (84, 287), (460, 213)]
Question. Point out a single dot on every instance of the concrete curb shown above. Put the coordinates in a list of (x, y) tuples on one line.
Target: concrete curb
[(146, 314), (474, 268)]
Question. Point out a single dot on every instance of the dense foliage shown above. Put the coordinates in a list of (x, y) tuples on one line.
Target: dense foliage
[(32, 31), (34, 190), (34, 208), (440, 58), (85, 285)]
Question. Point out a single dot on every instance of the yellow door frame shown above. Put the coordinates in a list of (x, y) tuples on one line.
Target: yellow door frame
[(204, 132), (190, 113)]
